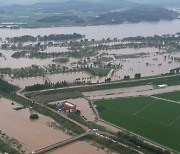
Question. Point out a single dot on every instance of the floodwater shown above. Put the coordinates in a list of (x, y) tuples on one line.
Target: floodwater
[(54, 78), (32, 135), (23, 82), (129, 51), (103, 31), (8, 61), (84, 107), (69, 77), (78, 148), (150, 63)]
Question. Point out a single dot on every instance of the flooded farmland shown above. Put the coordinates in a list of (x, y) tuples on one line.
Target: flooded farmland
[(8, 61), (146, 61), (149, 62), (31, 134)]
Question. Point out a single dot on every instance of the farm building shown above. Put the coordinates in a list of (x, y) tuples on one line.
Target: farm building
[(58, 105), (69, 106)]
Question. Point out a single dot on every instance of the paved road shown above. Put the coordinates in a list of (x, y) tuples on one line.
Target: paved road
[(130, 81)]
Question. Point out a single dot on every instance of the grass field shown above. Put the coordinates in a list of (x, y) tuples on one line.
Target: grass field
[(98, 71), (56, 97), (175, 96), (153, 119)]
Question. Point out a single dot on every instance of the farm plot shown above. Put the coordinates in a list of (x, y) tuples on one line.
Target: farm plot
[(153, 119), (174, 96)]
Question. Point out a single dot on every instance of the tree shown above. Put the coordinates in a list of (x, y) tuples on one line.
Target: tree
[(4, 46), (137, 76), (126, 77), (34, 116)]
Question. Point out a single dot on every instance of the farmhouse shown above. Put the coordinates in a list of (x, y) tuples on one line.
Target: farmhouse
[(176, 70)]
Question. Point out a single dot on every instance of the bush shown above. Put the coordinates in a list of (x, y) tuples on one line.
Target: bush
[(34, 116)]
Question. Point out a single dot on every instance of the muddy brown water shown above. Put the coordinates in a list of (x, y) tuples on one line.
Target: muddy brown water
[(103, 31), (31, 134), (79, 148)]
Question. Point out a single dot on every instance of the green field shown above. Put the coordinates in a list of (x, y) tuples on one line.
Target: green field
[(98, 71), (175, 96), (153, 119)]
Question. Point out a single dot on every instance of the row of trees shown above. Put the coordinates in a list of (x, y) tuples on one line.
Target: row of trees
[(46, 85), (6, 87), (52, 37), (136, 76)]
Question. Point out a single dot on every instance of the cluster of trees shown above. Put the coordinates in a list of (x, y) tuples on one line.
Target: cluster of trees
[(20, 46), (5, 71), (61, 19), (137, 14), (31, 71), (136, 76), (52, 37), (6, 87), (165, 38), (34, 54), (46, 85), (98, 71), (61, 60), (6, 148), (34, 116), (22, 39), (156, 40)]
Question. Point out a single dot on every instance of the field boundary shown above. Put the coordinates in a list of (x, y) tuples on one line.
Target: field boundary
[(144, 108), (170, 124), (163, 99)]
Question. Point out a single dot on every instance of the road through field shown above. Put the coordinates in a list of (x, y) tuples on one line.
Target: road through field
[(146, 90)]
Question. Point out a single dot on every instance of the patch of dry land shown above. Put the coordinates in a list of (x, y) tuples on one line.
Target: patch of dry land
[(146, 90), (82, 105)]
